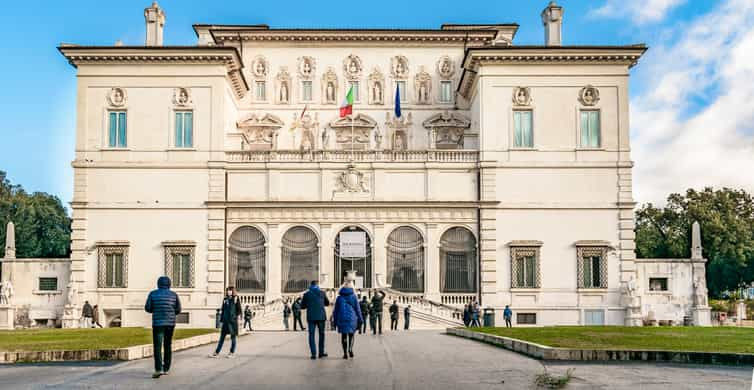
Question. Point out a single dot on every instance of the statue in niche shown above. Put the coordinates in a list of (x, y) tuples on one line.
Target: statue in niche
[(284, 92), (377, 92), (377, 138), (330, 91), (422, 84), (423, 95), (399, 145), (325, 139), (399, 67)]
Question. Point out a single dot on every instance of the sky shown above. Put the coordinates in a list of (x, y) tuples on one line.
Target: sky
[(692, 94)]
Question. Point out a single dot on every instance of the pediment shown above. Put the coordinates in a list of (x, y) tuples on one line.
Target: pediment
[(358, 121), (447, 119), (260, 120)]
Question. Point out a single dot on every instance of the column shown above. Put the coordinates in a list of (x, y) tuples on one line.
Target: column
[(488, 238), (327, 257), (379, 256), (274, 282), (432, 267)]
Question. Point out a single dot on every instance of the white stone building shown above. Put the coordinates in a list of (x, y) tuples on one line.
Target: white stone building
[(507, 178)]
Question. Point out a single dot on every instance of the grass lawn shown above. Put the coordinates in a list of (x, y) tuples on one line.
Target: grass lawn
[(693, 339), (76, 339)]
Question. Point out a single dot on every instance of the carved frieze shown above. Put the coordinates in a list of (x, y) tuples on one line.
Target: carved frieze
[(260, 131), (446, 130), (376, 87), (353, 131), (329, 87), (589, 95), (117, 97)]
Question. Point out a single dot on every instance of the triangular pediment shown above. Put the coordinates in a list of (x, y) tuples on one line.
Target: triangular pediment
[(447, 119), (357, 121), (260, 120)]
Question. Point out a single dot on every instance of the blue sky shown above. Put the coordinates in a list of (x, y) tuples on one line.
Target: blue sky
[(695, 80)]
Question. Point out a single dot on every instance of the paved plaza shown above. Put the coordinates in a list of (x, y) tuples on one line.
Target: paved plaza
[(398, 360)]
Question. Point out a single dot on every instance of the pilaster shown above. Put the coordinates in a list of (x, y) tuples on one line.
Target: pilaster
[(432, 269), (327, 256), (379, 256), (274, 278)]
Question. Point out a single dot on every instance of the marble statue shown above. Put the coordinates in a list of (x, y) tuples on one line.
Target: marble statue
[(330, 92), (377, 92), (284, 92), (70, 294), (700, 291), (6, 292)]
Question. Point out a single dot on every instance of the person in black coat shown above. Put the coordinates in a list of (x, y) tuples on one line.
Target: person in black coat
[(164, 305), (406, 317), (364, 306), (247, 316), (377, 311), (314, 302), (467, 315), (229, 314), (394, 316), (297, 315)]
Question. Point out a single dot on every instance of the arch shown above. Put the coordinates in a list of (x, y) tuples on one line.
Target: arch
[(405, 259), (299, 258), (458, 261), (362, 265), (247, 255)]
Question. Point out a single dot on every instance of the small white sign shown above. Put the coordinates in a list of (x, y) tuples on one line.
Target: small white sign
[(353, 244)]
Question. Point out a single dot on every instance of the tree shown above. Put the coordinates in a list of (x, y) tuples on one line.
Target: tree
[(43, 228), (726, 217)]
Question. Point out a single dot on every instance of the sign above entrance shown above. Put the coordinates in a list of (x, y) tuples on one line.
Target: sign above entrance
[(353, 244)]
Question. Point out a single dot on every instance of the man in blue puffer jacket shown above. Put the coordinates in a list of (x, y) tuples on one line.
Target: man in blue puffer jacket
[(164, 306)]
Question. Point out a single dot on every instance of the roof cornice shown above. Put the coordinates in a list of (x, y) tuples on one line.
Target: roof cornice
[(139, 55)]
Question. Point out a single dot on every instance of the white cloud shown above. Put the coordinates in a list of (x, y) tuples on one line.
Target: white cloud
[(712, 62), (641, 11)]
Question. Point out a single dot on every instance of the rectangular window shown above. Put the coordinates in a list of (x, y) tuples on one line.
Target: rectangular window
[(594, 317), (182, 318), (446, 91), (590, 129), (525, 266), (522, 123), (184, 129), (261, 90), (401, 85), (179, 265), (113, 267), (356, 95), (526, 318), (592, 267), (117, 129), (658, 284), (48, 284), (306, 91)]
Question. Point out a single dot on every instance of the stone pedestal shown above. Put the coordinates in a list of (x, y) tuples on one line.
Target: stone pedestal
[(70, 319), (702, 316), (633, 312), (7, 317)]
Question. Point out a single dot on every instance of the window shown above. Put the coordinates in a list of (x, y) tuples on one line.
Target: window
[(526, 318), (48, 284), (113, 267), (658, 284), (179, 264), (306, 91), (182, 318), (594, 317), (117, 129), (590, 129), (405, 260), (401, 86), (458, 261), (522, 122), (356, 95), (592, 267), (260, 90), (446, 91), (184, 129), (525, 266)]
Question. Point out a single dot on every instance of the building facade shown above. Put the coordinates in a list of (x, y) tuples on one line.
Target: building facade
[(505, 178)]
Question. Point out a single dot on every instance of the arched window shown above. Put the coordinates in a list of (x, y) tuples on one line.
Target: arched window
[(361, 264), (246, 264), (300, 259), (458, 262), (405, 260)]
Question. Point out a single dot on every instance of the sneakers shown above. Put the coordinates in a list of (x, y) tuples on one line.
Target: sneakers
[(213, 355), (231, 355), (164, 372), (156, 374)]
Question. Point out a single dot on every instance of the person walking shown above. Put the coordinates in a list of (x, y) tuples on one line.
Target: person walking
[(394, 316), (507, 315), (406, 317), (297, 314), (286, 315), (87, 312), (95, 317), (164, 305), (377, 311), (229, 314), (364, 306), (475, 315), (247, 316), (467, 315), (314, 302), (347, 318)]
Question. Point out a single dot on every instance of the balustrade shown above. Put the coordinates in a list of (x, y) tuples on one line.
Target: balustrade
[(454, 156)]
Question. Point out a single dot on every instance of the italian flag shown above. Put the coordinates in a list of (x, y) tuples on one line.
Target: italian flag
[(346, 108)]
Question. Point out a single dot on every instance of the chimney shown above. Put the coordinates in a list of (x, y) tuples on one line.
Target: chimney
[(155, 19), (552, 19)]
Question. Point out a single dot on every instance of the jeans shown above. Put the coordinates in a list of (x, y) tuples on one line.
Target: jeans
[(363, 326), (162, 337), (297, 320), (313, 327), (507, 322), (226, 331), (378, 323), (247, 322), (405, 322), (285, 322), (393, 323)]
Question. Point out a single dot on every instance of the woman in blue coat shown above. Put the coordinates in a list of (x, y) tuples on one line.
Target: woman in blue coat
[(347, 318)]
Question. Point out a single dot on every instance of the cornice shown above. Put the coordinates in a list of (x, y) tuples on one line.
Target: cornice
[(186, 55), (473, 38)]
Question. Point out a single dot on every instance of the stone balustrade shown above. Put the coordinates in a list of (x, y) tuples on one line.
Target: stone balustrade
[(451, 156)]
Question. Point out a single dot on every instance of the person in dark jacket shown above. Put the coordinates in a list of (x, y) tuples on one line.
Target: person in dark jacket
[(229, 314), (394, 316), (286, 315), (297, 314), (475, 311), (247, 316), (406, 317), (364, 306), (164, 306), (95, 317), (314, 302), (507, 315), (467, 315), (87, 312), (347, 318), (377, 311)]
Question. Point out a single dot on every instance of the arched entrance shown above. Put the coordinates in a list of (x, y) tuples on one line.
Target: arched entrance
[(405, 260), (300, 259), (247, 255), (458, 261), (355, 254)]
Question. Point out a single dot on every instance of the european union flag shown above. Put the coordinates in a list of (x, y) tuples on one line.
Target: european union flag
[(397, 101)]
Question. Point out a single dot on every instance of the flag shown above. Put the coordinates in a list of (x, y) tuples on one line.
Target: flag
[(346, 108), (302, 112), (397, 101)]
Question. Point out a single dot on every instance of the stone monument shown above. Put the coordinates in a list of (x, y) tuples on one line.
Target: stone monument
[(70, 317), (701, 309), (633, 303)]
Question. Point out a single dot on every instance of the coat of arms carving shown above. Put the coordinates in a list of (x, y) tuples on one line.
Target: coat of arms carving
[(352, 180)]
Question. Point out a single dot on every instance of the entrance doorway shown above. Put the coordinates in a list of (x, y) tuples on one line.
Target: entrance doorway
[(354, 255)]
